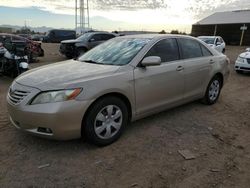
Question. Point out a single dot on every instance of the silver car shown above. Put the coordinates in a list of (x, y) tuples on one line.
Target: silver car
[(121, 80)]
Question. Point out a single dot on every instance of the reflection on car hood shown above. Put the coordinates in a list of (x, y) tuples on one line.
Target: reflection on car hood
[(62, 74)]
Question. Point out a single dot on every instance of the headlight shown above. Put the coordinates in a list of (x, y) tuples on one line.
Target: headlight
[(240, 59), (56, 96)]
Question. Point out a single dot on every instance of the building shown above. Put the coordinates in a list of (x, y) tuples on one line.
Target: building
[(6, 30), (232, 26)]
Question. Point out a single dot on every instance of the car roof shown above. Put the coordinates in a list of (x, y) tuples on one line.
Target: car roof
[(99, 32), (157, 36), (208, 36)]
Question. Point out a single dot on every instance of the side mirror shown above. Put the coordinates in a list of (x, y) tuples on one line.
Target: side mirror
[(218, 43), (151, 61), (248, 49)]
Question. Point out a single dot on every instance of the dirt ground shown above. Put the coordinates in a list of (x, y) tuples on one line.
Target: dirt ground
[(147, 153)]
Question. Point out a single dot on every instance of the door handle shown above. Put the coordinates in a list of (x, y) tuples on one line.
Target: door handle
[(211, 61), (179, 68)]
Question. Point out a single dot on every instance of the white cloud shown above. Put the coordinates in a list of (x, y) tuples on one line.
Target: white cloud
[(140, 12)]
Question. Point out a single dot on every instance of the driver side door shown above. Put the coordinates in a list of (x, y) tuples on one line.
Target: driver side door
[(158, 87)]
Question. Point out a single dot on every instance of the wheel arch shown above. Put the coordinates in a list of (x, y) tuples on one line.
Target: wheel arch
[(220, 75), (112, 94)]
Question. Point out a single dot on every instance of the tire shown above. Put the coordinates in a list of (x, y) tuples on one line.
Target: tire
[(105, 121), (224, 50), (239, 71), (213, 91)]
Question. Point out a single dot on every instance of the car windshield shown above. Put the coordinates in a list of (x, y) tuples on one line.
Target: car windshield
[(208, 40), (84, 37), (119, 51)]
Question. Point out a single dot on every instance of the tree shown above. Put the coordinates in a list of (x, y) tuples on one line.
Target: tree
[(162, 32), (174, 32)]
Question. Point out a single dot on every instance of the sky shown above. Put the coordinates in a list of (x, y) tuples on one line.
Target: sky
[(146, 15)]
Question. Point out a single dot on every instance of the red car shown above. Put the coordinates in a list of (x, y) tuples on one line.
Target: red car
[(34, 49)]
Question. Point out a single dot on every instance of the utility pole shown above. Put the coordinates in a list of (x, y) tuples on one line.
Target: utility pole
[(243, 28), (215, 30), (81, 15)]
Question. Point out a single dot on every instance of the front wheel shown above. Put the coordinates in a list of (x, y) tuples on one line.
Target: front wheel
[(105, 121), (213, 91)]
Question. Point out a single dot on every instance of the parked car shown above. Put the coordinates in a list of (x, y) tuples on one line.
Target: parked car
[(27, 36), (87, 41), (123, 79), (242, 63), (58, 35), (34, 49), (215, 42), (37, 37)]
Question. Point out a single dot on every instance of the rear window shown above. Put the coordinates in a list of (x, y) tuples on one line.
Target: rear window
[(205, 51)]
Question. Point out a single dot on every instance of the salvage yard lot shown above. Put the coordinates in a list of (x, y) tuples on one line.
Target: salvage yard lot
[(147, 155)]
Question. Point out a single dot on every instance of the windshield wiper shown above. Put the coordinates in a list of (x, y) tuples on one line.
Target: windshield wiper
[(91, 61)]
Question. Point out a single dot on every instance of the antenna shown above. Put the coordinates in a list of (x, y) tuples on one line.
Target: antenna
[(81, 15)]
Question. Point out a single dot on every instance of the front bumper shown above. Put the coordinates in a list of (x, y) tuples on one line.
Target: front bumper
[(67, 49), (242, 66), (63, 119)]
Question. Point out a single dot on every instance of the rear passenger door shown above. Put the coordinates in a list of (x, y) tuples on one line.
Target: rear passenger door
[(198, 62)]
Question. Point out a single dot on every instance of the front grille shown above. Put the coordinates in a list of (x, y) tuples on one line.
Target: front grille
[(17, 96), (69, 46), (248, 60)]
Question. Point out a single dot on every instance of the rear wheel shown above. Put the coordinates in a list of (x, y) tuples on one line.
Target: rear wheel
[(105, 121), (213, 91)]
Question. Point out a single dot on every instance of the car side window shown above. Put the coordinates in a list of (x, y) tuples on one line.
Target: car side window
[(205, 51), (190, 48), (166, 49), (221, 40), (97, 37), (217, 40), (107, 36)]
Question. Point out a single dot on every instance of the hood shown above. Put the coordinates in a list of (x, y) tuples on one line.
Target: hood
[(63, 74), (69, 41), (245, 55)]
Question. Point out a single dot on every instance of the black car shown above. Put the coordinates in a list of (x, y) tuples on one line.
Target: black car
[(74, 48), (58, 35)]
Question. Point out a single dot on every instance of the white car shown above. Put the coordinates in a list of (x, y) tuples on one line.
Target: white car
[(215, 42), (242, 63)]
